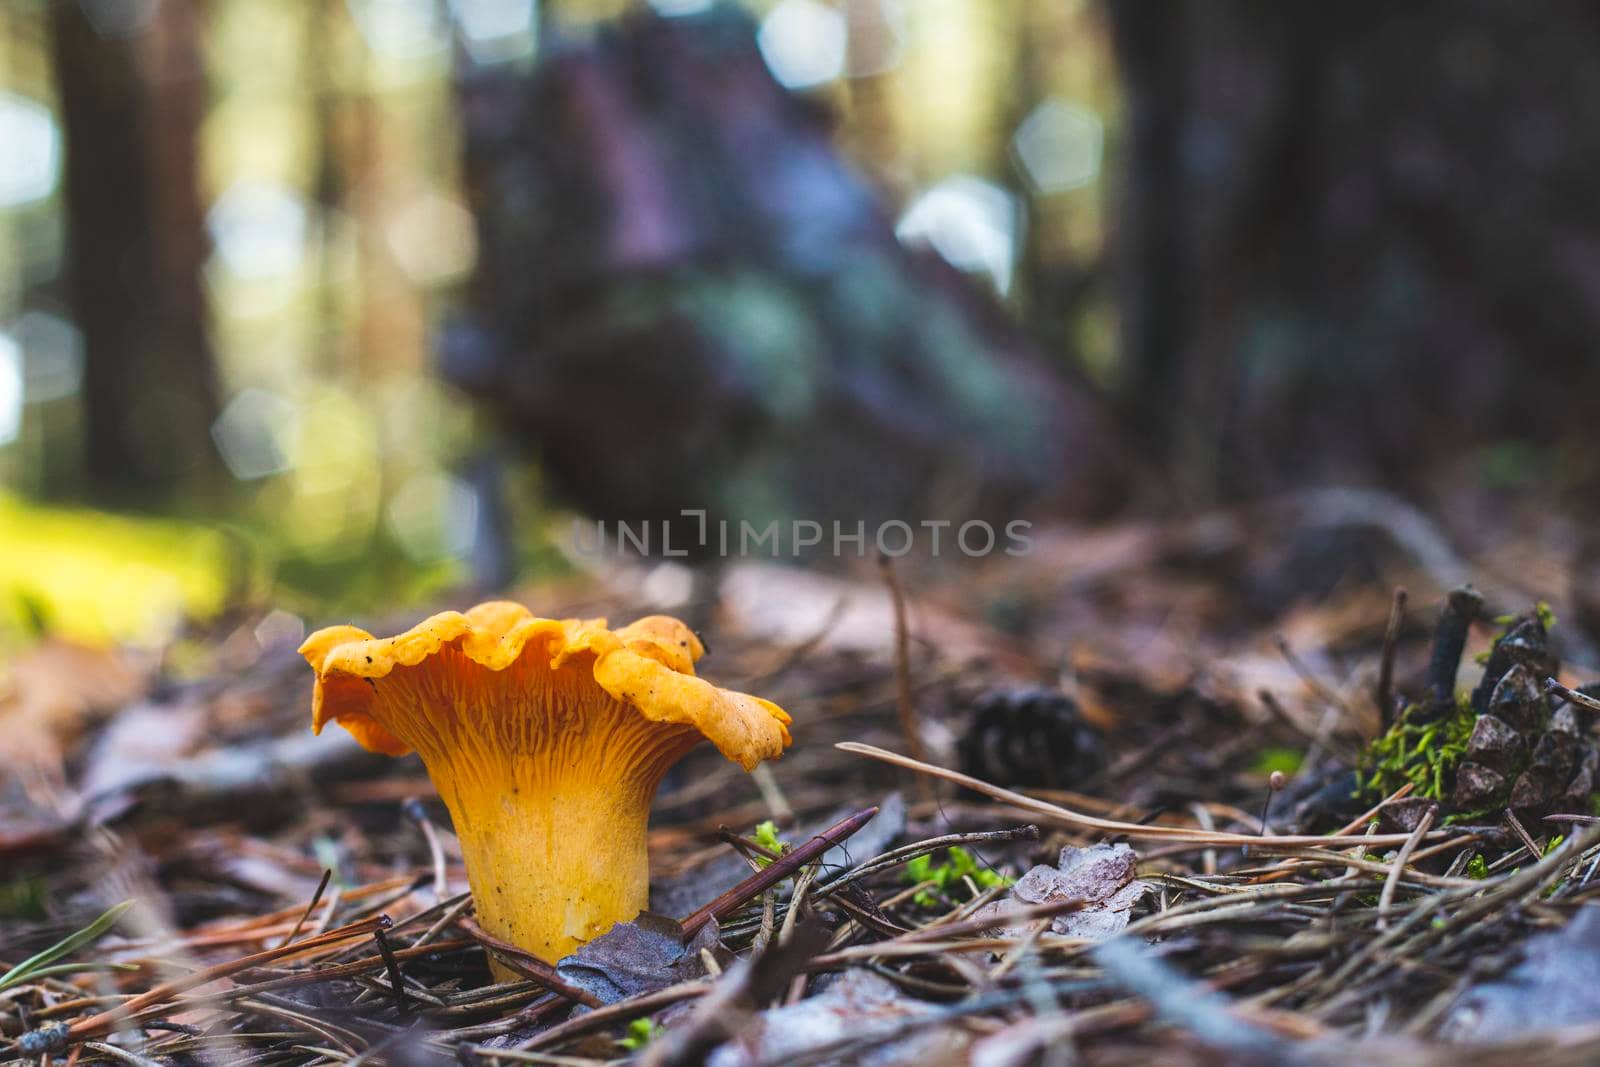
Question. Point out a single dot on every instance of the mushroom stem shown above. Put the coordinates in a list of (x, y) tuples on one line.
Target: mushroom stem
[(550, 871)]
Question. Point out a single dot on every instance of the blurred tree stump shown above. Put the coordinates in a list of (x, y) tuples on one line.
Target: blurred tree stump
[(686, 299)]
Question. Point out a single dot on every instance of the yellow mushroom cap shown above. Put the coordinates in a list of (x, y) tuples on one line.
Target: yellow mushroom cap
[(648, 665), (546, 738)]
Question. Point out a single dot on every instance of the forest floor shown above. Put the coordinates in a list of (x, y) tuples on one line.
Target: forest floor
[(1075, 869)]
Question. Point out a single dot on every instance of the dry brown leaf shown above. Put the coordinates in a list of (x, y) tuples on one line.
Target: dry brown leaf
[(1102, 876)]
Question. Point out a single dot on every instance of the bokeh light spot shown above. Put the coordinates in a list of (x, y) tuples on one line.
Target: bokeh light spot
[(804, 43), (280, 629), (877, 36), (433, 239), (10, 388), (1058, 147), (253, 434), (119, 18), (52, 357), (259, 229), (678, 8), (974, 224), (30, 164), (497, 31), (434, 516), (400, 29)]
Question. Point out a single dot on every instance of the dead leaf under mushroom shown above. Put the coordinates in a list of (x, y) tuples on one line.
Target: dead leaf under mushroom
[(640, 956)]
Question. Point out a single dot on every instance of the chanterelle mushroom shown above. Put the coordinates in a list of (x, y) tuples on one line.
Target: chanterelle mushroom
[(546, 739)]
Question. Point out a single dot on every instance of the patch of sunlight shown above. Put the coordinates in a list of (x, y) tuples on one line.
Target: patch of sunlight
[(104, 578)]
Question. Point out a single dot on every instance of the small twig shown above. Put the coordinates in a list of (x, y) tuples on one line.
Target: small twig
[(897, 856), (904, 705), (347, 1040), (1274, 706), (1068, 817), (1571, 696), (452, 911), (329, 912), (797, 984), (1391, 639), (732, 1000), (527, 964), (104, 1022), (322, 887), (1315, 684), (121, 1055), (1372, 813), (752, 852), (1011, 959), (351, 969), (1461, 607), (796, 904), (766, 783), (419, 815), (516, 1055), (1331, 716), (796, 653), (621, 1011), (969, 927), (1208, 858), (769, 921), (396, 979), (776, 871), (1417, 930), (1392, 882), (1522, 832)]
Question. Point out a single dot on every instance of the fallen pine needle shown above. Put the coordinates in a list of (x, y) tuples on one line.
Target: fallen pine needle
[(1067, 817)]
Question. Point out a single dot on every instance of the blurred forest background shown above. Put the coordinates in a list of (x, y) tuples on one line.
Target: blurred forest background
[(285, 288)]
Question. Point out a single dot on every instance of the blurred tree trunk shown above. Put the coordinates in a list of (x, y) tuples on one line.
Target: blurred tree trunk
[(697, 303), (1357, 239), (132, 94), (1148, 39)]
